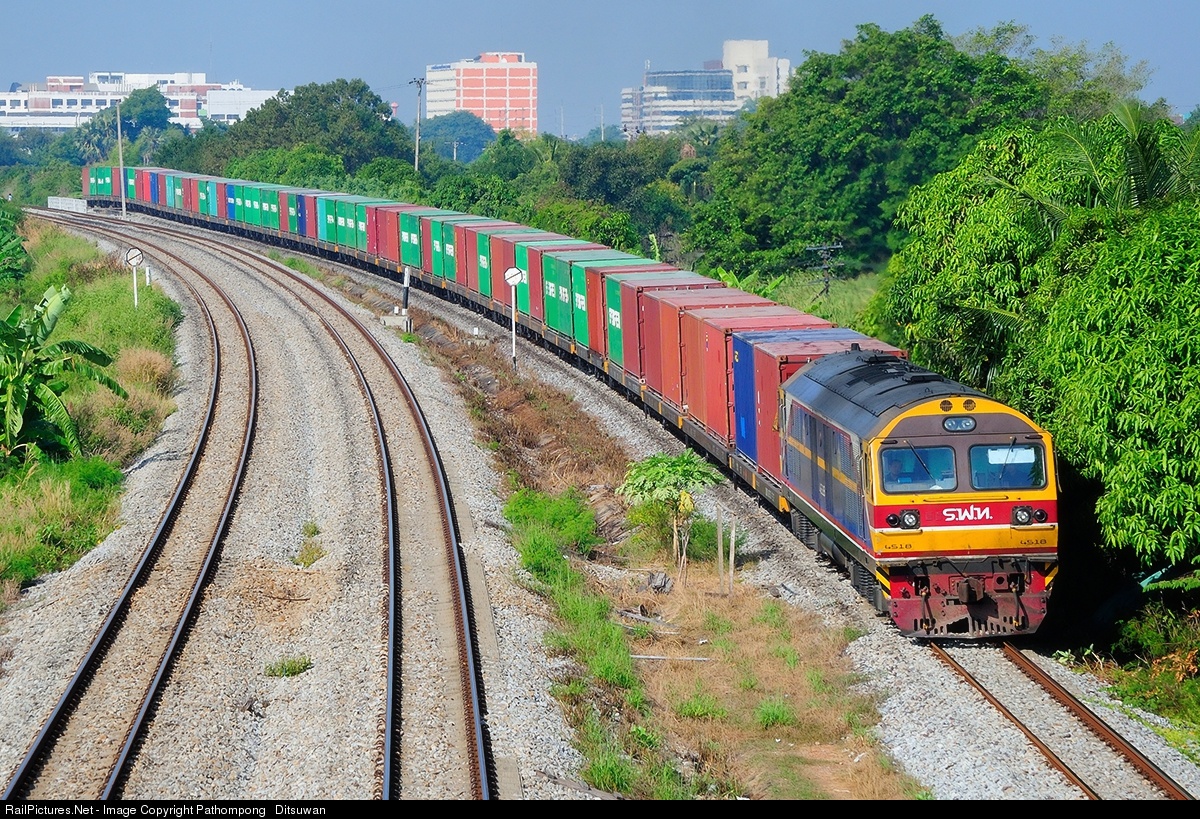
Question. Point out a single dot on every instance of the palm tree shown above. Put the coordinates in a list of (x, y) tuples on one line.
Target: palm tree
[(31, 377)]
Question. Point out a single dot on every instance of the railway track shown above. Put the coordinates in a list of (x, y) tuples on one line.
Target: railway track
[(1088, 752), (85, 744), (440, 579)]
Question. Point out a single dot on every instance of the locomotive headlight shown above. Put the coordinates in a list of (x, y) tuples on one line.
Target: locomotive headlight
[(1022, 515), (1039, 515), (910, 519), (958, 423), (893, 520)]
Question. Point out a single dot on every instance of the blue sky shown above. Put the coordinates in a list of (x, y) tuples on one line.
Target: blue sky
[(586, 53)]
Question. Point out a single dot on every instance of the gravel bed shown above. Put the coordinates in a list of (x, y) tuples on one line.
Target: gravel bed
[(931, 723)]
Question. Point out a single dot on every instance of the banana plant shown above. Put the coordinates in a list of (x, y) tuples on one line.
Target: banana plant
[(32, 380)]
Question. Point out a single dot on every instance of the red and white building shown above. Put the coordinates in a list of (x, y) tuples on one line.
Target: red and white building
[(499, 87)]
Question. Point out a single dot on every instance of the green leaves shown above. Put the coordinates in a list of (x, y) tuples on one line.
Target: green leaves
[(31, 377)]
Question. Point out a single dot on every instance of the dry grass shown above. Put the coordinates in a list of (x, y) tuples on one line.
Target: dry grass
[(118, 429), (764, 657)]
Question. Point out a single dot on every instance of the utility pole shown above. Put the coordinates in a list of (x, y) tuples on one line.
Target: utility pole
[(828, 263), (419, 82), (121, 168)]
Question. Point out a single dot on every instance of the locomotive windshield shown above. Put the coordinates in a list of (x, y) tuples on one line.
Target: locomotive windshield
[(1008, 466), (911, 469)]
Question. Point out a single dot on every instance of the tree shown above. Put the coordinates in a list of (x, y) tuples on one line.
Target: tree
[(671, 482), (144, 108), (31, 377), (1061, 270), (344, 118), (833, 157), (460, 136), (506, 158)]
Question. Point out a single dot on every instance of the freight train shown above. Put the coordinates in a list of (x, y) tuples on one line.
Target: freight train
[(938, 502)]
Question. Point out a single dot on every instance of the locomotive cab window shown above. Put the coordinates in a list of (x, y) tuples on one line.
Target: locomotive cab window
[(912, 469), (1008, 466)]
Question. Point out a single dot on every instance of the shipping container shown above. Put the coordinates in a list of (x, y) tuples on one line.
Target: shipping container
[(415, 244), (488, 276), (466, 253), (763, 362), (594, 275), (503, 255), (623, 295), (527, 256), (662, 319), (441, 242), (708, 376), (383, 230), (560, 297)]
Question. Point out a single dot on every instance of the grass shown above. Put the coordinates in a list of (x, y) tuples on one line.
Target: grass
[(52, 513), (310, 548), (288, 666)]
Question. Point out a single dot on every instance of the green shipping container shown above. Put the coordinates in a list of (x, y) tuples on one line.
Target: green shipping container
[(579, 291), (559, 291), (441, 230), (410, 235), (483, 254)]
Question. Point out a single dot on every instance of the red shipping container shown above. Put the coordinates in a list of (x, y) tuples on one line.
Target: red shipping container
[(708, 357), (142, 185), (662, 317), (594, 276), (537, 284), (310, 216), (466, 250), (383, 230), (775, 363), (634, 291), (503, 247), (222, 208)]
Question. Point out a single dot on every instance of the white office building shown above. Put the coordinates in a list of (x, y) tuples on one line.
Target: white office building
[(64, 102)]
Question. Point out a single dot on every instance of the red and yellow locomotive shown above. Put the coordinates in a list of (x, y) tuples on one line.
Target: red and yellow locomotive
[(941, 501)]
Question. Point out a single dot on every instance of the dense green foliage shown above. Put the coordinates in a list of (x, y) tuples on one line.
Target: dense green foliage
[(460, 136), (13, 259), (32, 378), (1061, 270), (832, 159)]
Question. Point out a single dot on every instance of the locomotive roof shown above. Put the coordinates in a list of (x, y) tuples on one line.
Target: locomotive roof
[(859, 387)]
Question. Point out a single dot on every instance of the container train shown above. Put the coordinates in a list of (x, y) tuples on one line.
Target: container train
[(938, 502)]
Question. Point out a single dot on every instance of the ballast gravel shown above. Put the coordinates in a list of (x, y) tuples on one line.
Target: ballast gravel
[(932, 725)]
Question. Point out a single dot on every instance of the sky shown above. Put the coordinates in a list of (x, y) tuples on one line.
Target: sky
[(585, 52)]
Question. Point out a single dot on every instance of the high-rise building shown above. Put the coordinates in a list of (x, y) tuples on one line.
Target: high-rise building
[(499, 87), (717, 92)]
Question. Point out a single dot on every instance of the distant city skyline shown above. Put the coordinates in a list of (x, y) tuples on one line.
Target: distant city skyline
[(585, 54)]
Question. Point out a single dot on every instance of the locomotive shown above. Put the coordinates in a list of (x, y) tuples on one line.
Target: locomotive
[(939, 502)]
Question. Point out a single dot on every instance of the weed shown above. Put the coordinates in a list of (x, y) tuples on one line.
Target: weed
[(789, 655), (716, 624), (773, 712), (643, 737), (288, 666), (310, 552), (410, 338), (309, 529), (701, 706)]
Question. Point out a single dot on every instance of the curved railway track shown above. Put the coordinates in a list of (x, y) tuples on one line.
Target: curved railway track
[(85, 744), (472, 741), (1077, 742)]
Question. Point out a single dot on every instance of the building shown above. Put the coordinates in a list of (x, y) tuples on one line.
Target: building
[(718, 91), (499, 87), (65, 102)]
